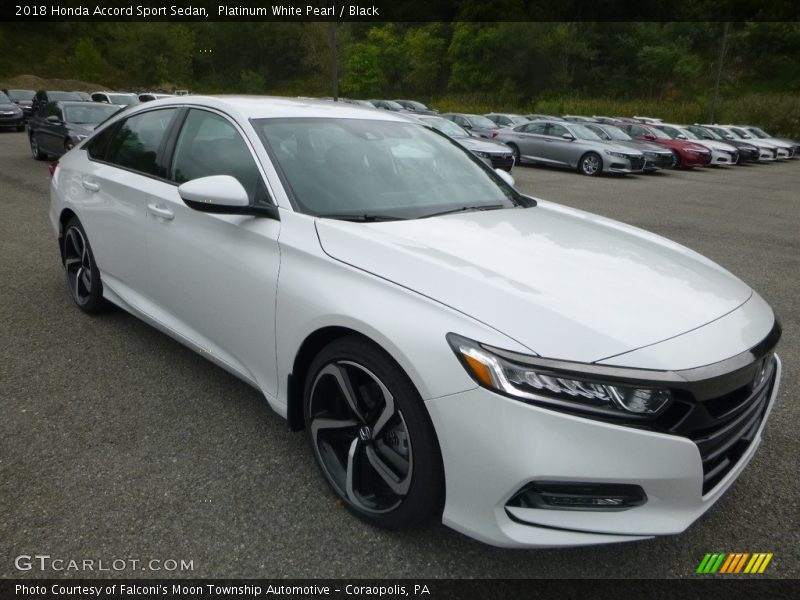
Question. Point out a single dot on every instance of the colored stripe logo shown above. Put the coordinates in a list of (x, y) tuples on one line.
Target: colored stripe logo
[(734, 563)]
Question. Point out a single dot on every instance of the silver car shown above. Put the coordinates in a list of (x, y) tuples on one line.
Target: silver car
[(570, 145), (655, 157)]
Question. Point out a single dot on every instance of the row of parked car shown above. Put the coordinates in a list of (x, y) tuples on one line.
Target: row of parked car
[(57, 120), (597, 144)]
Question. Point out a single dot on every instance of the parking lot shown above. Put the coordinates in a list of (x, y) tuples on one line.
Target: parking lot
[(117, 442)]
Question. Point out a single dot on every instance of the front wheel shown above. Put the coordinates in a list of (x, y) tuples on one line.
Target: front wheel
[(515, 152), (68, 145), (591, 164), (371, 435), (676, 160)]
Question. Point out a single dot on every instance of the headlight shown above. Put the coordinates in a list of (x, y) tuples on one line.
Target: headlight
[(692, 151), (483, 154), (518, 376), (617, 154), (748, 148)]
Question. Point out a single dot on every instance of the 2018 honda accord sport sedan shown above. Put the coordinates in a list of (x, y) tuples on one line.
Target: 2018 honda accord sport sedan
[(531, 374)]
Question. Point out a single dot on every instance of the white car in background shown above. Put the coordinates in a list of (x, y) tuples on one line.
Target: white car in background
[(721, 153), (530, 374), (118, 98), (786, 148), (779, 151)]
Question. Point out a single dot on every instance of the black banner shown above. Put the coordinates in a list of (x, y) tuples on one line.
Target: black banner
[(223, 589), (399, 10)]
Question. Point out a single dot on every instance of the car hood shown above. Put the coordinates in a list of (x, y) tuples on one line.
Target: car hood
[(565, 283), (483, 145), (715, 145), (5, 106), (680, 145), (619, 146), (642, 146)]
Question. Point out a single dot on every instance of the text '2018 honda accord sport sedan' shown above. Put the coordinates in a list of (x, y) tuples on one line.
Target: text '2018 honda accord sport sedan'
[(531, 374)]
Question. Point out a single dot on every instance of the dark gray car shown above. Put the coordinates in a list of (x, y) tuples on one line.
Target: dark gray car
[(495, 154), (475, 124), (570, 145), (58, 126), (11, 115), (655, 157)]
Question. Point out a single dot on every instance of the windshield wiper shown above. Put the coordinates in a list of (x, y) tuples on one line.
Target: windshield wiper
[(360, 218), (464, 209)]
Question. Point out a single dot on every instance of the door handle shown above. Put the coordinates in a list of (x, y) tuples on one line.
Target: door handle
[(90, 185), (163, 213)]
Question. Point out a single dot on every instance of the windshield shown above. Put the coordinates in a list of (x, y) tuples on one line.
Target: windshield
[(518, 119), (689, 134), (359, 168), (478, 121), (414, 104), (759, 132), (88, 114), (615, 133), (4, 98), (123, 99), (709, 132), (659, 134), (741, 133), (584, 133), (446, 127), (21, 95)]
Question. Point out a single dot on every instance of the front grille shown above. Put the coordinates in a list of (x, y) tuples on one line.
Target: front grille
[(706, 158), (637, 163), (502, 161), (724, 427)]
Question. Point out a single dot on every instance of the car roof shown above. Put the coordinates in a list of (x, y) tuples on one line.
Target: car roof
[(80, 103), (261, 107)]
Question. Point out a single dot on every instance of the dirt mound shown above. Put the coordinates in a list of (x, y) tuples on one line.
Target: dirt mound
[(32, 82)]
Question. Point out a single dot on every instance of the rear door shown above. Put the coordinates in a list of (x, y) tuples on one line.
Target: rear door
[(123, 173), (215, 277), (530, 139)]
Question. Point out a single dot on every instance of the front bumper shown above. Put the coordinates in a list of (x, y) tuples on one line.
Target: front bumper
[(718, 157), (625, 165), (12, 120), (657, 160), (492, 446)]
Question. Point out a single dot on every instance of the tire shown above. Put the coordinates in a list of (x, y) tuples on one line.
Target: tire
[(377, 450), (590, 164), (20, 127), (676, 160), (68, 145), (515, 152), (83, 276), (36, 150)]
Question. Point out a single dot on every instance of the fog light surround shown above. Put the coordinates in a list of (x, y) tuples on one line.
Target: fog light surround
[(564, 495)]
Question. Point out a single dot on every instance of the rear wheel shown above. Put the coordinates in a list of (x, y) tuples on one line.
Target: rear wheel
[(36, 151), (371, 435), (83, 277), (591, 164)]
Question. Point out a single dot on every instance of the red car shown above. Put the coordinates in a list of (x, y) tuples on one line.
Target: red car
[(685, 154)]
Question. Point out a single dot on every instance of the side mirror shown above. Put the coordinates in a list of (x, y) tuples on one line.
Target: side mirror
[(649, 136), (53, 119), (568, 136), (682, 137), (467, 126), (506, 176), (221, 194)]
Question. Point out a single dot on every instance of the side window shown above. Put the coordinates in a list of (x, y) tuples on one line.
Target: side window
[(536, 128), (99, 98), (556, 130), (136, 142), (96, 147), (209, 144), (637, 131)]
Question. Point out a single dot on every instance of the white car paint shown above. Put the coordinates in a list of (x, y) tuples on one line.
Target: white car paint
[(546, 281)]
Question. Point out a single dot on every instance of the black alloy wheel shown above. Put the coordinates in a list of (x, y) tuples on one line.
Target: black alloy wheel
[(371, 435), (83, 277)]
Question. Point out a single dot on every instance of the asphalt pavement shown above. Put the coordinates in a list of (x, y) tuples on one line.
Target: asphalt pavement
[(116, 442)]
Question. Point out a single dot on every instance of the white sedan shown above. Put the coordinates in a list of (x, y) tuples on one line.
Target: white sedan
[(530, 374)]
